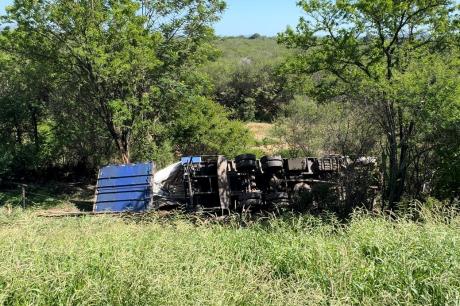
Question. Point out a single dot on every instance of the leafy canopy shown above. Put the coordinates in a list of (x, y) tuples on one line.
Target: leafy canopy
[(377, 55), (120, 61)]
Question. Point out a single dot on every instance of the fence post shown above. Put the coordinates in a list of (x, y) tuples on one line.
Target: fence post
[(23, 196)]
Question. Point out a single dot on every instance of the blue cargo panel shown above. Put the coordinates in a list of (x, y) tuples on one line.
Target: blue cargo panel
[(190, 160), (124, 188)]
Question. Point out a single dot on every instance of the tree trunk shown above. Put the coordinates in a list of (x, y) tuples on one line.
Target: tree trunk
[(125, 153), (123, 147), (125, 157), (393, 194), (121, 140), (35, 128), (398, 154)]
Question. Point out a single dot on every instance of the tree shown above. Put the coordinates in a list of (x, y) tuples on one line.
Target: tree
[(22, 97), (255, 36), (311, 129), (361, 51), (116, 60), (203, 127), (37, 131), (247, 78), (435, 150)]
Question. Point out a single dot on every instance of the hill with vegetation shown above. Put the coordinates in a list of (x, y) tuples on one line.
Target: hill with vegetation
[(236, 51), (247, 77)]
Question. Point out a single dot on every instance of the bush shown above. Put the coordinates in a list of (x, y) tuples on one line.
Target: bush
[(308, 128), (247, 80), (203, 127)]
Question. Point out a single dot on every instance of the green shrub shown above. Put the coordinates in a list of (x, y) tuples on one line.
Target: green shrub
[(203, 127), (246, 77), (307, 128)]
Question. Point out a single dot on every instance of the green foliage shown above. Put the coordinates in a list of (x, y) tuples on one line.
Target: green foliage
[(311, 129), (203, 127), (25, 137), (89, 80), (364, 52), (446, 180), (436, 81), (294, 261), (151, 143), (301, 126), (112, 57), (246, 77)]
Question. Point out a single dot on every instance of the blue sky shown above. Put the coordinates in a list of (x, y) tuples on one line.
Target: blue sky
[(4, 3), (266, 17), (246, 17)]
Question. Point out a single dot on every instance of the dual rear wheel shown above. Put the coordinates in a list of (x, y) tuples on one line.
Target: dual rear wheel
[(248, 162)]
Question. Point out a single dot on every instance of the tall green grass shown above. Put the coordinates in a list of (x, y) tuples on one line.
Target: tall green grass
[(289, 261)]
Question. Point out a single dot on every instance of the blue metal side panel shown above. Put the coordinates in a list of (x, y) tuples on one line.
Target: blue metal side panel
[(124, 196), (122, 188), (190, 159), (126, 170), (124, 181)]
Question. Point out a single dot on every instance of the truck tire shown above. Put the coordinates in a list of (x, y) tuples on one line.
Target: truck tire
[(277, 199), (251, 199), (245, 157), (246, 165), (272, 162)]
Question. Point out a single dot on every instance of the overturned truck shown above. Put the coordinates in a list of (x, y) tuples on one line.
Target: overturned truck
[(244, 184)]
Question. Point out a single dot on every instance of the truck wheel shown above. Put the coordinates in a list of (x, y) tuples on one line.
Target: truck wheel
[(245, 157), (280, 199), (272, 162), (251, 199), (246, 165)]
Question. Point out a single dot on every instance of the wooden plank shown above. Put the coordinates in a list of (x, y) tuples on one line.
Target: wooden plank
[(87, 213)]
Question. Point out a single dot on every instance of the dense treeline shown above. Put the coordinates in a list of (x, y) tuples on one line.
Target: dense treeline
[(90, 82), (247, 77), (84, 82), (397, 62)]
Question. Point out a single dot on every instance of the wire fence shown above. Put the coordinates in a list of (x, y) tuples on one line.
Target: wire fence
[(25, 197)]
